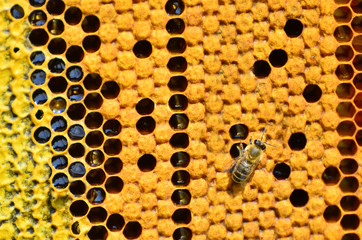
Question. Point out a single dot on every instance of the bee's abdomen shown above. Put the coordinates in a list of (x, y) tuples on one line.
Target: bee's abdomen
[(241, 172)]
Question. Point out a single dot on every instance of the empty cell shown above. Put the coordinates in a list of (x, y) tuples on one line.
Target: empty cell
[(278, 58), (57, 84), (347, 147), (180, 159), (59, 162), (181, 197), (77, 188), (358, 100), (39, 97), (332, 214), (238, 132), (357, 24), (96, 176), (281, 171), (142, 49), (358, 119), (74, 54), (174, 7), (350, 203), (179, 121), (57, 46), (146, 125), (344, 53), (346, 110), (112, 147), (77, 170), (79, 208), (344, 72), (60, 181), (115, 222), (110, 90), (178, 102), (56, 65), (350, 236), (331, 176), (350, 222), (359, 138), (177, 64), (342, 14), (146, 163), (93, 120), (356, 6), (114, 185), (76, 132), (113, 165), (58, 105), (90, 24), (76, 150), (297, 141), (299, 198), (37, 18), (112, 127), (91, 43), (176, 45), (55, 7), (55, 27), (349, 184), (74, 73), (180, 178), (73, 15), (97, 215), (17, 11), (37, 58), (357, 62), (183, 233), (132, 230), (345, 91), (312, 93), (179, 140), (76, 111), (175, 26), (145, 106), (98, 233), (346, 128), (177, 83), (343, 34), (75, 93), (94, 139), (293, 28), (261, 69), (38, 77), (96, 195), (95, 158), (348, 166), (234, 150), (42, 135), (93, 101), (182, 216)]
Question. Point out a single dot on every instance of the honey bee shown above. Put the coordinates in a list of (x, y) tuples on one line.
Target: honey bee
[(249, 158)]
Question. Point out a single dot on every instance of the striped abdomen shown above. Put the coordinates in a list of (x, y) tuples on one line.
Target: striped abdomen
[(242, 171)]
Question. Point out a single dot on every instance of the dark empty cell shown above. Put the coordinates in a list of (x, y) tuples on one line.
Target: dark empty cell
[(346, 128), (239, 132), (39, 114), (37, 58), (181, 197), (74, 73), (79, 208), (178, 102), (175, 26), (94, 139), (76, 150), (96, 176), (358, 100), (39, 96), (182, 216), (142, 49), (332, 214), (59, 143), (293, 28), (95, 158), (344, 72), (74, 54), (115, 222), (183, 233), (347, 147), (93, 120), (299, 198), (357, 62), (234, 150), (350, 222), (345, 90), (56, 65), (132, 230), (177, 64), (37, 3), (345, 109), (38, 37), (297, 141), (75, 93), (358, 119), (350, 236), (113, 165), (179, 140), (357, 24), (356, 6), (112, 127), (38, 77), (180, 178), (90, 24), (75, 228), (281, 171), (174, 7), (57, 84), (145, 106), (97, 215), (349, 184), (37, 18), (73, 16), (114, 185), (55, 26), (77, 188), (342, 14), (58, 105), (93, 101), (57, 46), (42, 135), (17, 11), (180, 159), (112, 147), (146, 125), (176, 45), (76, 132), (179, 121), (92, 81), (359, 138), (55, 7), (350, 203), (76, 111), (59, 162), (96, 195), (77, 169), (98, 233), (331, 176), (343, 33), (60, 181), (344, 53), (58, 124), (177, 83), (261, 69), (312, 93), (146, 163), (278, 58), (348, 166), (91, 43), (110, 90)]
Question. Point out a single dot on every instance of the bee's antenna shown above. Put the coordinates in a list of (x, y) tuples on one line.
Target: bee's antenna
[(261, 139), (270, 144)]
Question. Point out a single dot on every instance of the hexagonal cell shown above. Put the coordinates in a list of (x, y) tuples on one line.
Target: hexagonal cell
[(297, 141), (358, 119), (132, 230), (238, 132), (176, 45), (112, 127), (77, 188), (76, 150), (349, 184), (347, 147), (342, 14), (350, 203), (55, 26), (98, 233), (175, 26), (357, 81), (146, 125), (359, 137), (177, 83), (55, 7), (261, 69), (74, 54), (299, 198), (356, 6), (348, 166), (94, 139), (59, 143), (183, 233), (77, 170), (92, 81), (110, 90), (174, 7), (17, 11), (350, 222), (79, 208), (235, 150), (112, 147), (60, 181), (146, 163), (179, 121), (357, 62), (344, 72), (358, 100), (73, 15), (96, 176), (177, 64), (345, 91), (93, 101), (96, 195), (357, 24), (346, 128), (182, 216), (114, 185), (350, 236), (57, 46), (312, 93), (346, 110), (181, 197), (93, 120), (115, 222), (180, 178), (293, 28), (97, 215), (344, 53), (278, 58), (180, 159), (75, 93), (343, 33), (179, 140), (91, 43), (281, 171), (331, 176), (37, 18), (113, 165), (38, 37), (332, 214), (357, 43), (94, 158)]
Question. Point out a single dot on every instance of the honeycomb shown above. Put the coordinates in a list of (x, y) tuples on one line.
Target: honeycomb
[(121, 119)]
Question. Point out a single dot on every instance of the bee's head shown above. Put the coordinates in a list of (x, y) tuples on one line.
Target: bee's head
[(260, 144)]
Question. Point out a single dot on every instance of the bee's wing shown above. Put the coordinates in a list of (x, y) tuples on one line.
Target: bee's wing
[(231, 165)]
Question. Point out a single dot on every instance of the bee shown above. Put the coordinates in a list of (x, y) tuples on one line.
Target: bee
[(249, 158)]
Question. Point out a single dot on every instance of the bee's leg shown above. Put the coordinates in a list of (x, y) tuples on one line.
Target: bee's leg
[(240, 148)]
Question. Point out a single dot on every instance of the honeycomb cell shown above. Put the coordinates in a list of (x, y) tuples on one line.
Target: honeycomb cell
[(281, 171), (344, 53), (350, 203), (42, 135), (177, 83), (57, 46), (90, 24), (39, 114), (356, 6), (176, 45), (97, 215), (142, 49), (74, 54), (76, 150), (180, 159), (299, 198), (145, 106), (146, 125), (75, 93), (293, 28), (182, 216), (350, 236), (357, 44), (56, 65), (74, 73), (94, 139), (178, 102), (347, 147), (358, 119), (174, 7), (179, 121), (183, 233), (110, 90), (359, 137), (57, 84), (179, 140), (94, 120), (37, 18), (115, 222), (350, 222), (38, 77), (17, 11), (346, 128), (55, 27), (345, 91), (234, 150), (331, 176), (357, 24), (312, 93), (59, 162), (114, 185), (60, 181), (38, 37), (58, 105), (343, 34), (177, 64), (76, 132), (344, 72), (96, 195), (297, 141), (93, 101), (37, 3), (76, 111), (98, 233), (357, 62), (175, 26), (332, 214), (349, 184), (96, 176), (55, 7), (73, 15), (113, 165), (181, 197), (348, 166), (91, 43), (94, 158), (238, 132), (146, 163), (75, 228), (37, 58), (77, 170), (112, 147), (58, 124), (343, 14), (261, 69), (132, 230), (180, 178), (346, 110), (39, 97), (112, 127), (278, 58), (79, 208)]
